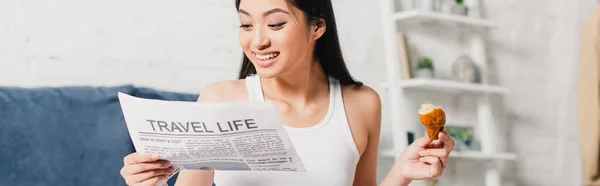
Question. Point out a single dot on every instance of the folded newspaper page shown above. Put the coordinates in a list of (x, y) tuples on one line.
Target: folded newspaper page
[(245, 136)]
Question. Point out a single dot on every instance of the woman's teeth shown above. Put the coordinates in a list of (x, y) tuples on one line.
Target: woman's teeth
[(267, 56)]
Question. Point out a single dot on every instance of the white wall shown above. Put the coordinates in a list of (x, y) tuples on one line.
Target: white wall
[(186, 45), (179, 45), (168, 45), (538, 51)]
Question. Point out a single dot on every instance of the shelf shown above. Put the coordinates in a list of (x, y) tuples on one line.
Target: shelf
[(448, 86), (426, 17), (483, 156), (468, 155), (461, 123)]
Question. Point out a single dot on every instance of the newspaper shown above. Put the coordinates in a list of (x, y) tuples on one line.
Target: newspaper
[(245, 136)]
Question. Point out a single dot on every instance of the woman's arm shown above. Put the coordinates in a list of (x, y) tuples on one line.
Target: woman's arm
[(365, 103), (395, 178), (363, 108), (423, 159)]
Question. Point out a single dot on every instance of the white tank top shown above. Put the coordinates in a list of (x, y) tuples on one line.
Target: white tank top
[(327, 150)]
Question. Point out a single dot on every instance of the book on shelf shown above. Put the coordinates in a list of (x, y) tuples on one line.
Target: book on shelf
[(404, 57)]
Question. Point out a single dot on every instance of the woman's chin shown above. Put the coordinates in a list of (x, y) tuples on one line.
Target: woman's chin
[(267, 72)]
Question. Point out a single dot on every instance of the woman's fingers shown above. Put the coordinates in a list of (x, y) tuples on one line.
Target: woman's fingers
[(444, 141), (437, 144), (449, 144), (441, 154), (422, 142), (146, 175), (142, 167), (443, 135), (140, 158), (436, 165), (442, 138)]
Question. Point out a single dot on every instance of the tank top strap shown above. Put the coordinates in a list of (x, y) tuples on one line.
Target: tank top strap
[(340, 119), (254, 88)]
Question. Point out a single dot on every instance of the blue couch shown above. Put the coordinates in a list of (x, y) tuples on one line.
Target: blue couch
[(68, 136)]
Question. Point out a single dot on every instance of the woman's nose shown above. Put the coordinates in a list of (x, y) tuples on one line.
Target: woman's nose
[(260, 40)]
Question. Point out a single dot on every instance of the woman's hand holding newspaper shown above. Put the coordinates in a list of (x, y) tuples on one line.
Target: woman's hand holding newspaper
[(145, 169)]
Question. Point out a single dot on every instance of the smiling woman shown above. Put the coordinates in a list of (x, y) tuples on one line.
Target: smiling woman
[(293, 59)]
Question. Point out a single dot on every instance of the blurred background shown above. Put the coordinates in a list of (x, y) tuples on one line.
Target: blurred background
[(506, 72)]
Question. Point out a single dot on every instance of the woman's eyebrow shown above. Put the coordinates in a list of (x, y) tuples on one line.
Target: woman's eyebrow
[(243, 12), (272, 11), (275, 10)]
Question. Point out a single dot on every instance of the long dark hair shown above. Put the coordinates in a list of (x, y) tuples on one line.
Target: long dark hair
[(327, 50)]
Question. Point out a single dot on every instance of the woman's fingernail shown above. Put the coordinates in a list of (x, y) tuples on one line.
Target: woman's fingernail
[(422, 153), (155, 157), (166, 164)]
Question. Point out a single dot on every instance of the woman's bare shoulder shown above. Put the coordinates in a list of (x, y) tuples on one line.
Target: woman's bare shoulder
[(361, 98), (224, 91), (363, 110)]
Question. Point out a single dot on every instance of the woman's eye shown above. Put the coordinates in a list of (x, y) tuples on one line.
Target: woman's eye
[(246, 26), (276, 25)]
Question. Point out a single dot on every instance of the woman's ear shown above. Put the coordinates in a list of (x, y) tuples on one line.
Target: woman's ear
[(318, 29)]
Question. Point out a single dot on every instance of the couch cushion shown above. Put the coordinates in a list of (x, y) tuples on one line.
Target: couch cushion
[(67, 135)]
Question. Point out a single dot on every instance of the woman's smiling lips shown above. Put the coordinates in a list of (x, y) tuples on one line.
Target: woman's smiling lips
[(265, 59)]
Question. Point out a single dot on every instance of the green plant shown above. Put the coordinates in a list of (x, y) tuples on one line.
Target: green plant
[(459, 2), (425, 63)]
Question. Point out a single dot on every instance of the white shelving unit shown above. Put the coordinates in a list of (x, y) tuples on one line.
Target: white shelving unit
[(468, 155), (421, 16), (403, 114), (451, 87)]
